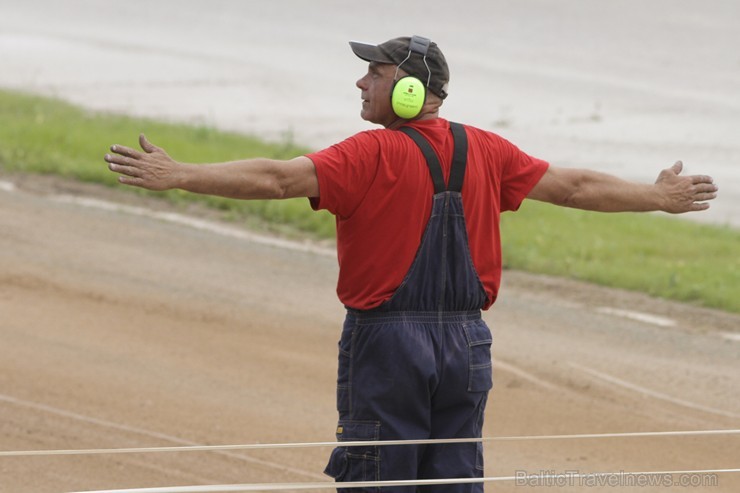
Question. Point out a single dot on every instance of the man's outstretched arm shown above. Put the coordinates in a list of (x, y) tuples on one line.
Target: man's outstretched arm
[(259, 178), (594, 191)]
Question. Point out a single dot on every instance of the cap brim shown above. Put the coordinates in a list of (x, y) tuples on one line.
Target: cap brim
[(369, 53)]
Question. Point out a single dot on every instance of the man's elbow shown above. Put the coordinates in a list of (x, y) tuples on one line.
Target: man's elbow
[(561, 196), (298, 179), (558, 186)]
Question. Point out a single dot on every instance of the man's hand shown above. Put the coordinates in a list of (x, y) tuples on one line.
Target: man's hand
[(153, 169), (684, 193)]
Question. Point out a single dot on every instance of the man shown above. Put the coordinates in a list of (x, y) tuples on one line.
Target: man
[(417, 206)]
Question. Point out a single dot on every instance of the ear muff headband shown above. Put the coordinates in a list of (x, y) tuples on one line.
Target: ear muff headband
[(409, 93)]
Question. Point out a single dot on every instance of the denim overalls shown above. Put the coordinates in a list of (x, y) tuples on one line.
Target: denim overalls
[(419, 365)]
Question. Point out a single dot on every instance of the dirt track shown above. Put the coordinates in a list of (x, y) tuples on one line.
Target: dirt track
[(122, 330)]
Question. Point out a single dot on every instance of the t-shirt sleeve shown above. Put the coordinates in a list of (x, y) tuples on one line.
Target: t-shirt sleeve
[(519, 174), (345, 172)]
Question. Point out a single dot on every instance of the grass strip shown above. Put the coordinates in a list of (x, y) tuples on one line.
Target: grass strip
[(662, 256), (48, 136), (656, 254)]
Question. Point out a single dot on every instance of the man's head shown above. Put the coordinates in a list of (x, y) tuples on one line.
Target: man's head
[(393, 60)]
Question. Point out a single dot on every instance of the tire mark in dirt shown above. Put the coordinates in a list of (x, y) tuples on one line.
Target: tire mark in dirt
[(149, 433)]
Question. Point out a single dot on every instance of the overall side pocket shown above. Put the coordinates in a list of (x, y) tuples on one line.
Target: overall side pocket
[(356, 463), (344, 372), (480, 368)]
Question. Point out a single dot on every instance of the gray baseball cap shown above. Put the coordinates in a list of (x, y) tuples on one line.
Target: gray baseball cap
[(406, 52)]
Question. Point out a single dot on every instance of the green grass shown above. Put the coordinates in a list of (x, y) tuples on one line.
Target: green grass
[(655, 254), (663, 256), (42, 135)]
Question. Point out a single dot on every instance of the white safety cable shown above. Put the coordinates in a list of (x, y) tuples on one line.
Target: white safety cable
[(257, 446), (381, 484)]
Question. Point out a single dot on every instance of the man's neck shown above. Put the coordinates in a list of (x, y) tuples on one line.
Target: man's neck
[(395, 124)]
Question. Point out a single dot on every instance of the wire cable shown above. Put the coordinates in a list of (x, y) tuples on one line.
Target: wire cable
[(376, 443), (381, 484)]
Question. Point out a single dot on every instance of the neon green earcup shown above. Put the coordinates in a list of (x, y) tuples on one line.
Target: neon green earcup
[(408, 97)]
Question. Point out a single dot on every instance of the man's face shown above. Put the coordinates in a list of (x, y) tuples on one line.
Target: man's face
[(376, 88)]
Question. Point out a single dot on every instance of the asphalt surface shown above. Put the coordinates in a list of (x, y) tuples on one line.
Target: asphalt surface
[(627, 87)]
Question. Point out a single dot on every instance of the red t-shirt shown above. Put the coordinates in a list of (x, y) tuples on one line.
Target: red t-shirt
[(378, 186)]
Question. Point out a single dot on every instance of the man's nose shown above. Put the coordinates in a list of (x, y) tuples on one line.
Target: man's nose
[(362, 82)]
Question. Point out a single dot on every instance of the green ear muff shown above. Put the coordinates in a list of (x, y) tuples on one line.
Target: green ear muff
[(407, 97)]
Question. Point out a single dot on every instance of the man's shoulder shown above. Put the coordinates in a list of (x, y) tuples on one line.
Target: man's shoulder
[(443, 125), (472, 129), (484, 138), (380, 139), (374, 135)]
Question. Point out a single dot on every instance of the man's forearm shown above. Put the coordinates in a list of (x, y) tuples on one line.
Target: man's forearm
[(600, 192), (247, 179)]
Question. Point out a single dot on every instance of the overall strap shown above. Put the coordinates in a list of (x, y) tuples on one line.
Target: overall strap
[(459, 158), (431, 157)]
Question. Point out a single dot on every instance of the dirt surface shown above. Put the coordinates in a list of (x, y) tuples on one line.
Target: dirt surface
[(123, 325)]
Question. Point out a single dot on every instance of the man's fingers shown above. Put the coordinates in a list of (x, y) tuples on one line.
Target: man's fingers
[(122, 164), (705, 187), (130, 180), (704, 190), (677, 167), (146, 145), (696, 179), (117, 159), (125, 151), (701, 197), (125, 170), (699, 206)]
